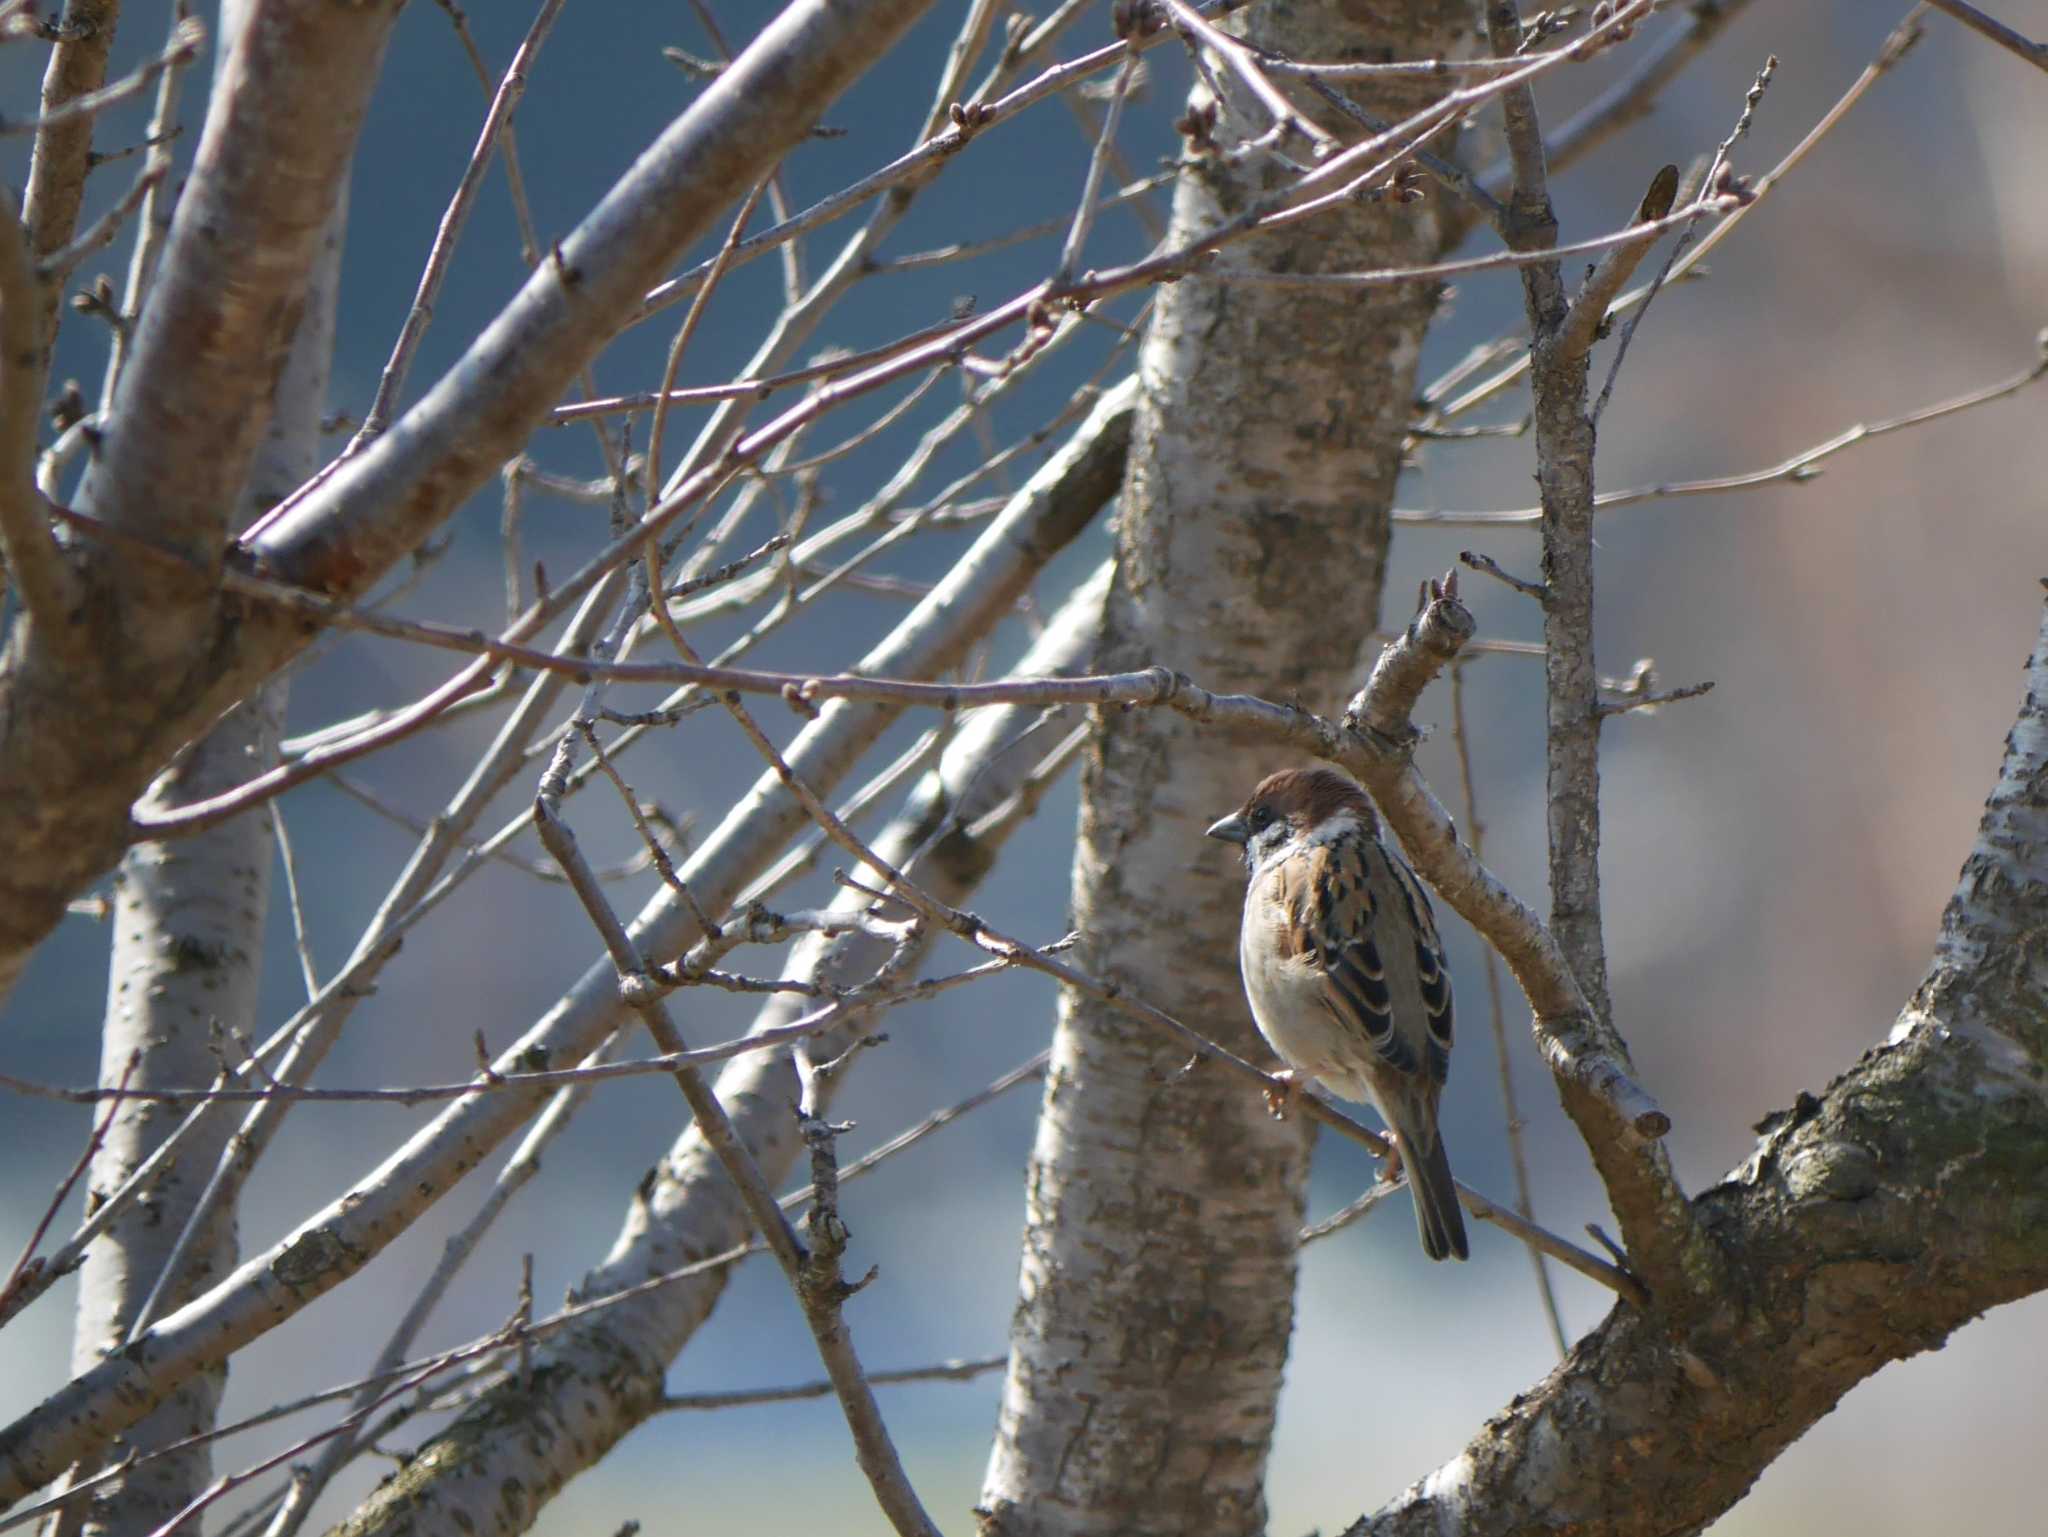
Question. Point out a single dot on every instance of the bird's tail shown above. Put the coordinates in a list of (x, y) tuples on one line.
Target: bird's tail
[(1437, 1216)]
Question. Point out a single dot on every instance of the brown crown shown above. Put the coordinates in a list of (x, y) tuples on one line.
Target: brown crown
[(1307, 796)]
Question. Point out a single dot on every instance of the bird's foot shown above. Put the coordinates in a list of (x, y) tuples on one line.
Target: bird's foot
[(1390, 1163), (1279, 1101)]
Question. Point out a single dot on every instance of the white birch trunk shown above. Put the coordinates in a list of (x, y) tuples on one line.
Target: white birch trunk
[(1158, 1269)]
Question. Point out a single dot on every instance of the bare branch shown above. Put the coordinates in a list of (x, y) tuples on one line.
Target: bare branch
[(1799, 469), (1589, 305), (342, 1237), (943, 1371), (1525, 1205), (400, 488), (1660, 1230), (1634, 240), (1896, 46), (153, 232), (62, 157), (1977, 21), (1091, 185), (497, 121), (29, 556), (32, 1274), (1628, 99), (1286, 119), (1842, 1231), (186, 37), (171, 462), (98, 235), (815, 1275)]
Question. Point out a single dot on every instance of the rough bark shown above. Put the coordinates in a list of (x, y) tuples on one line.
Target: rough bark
[(1868, 1224), (1158, 1268)]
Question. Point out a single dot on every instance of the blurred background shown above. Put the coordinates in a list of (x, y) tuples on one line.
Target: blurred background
[(1777, 854)]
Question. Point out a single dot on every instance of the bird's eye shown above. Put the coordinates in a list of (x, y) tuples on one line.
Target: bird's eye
[(1261, 816)]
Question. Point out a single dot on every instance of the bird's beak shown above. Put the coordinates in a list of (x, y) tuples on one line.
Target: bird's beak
[(1231, 829)]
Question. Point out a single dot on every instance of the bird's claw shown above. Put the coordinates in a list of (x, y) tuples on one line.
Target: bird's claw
[(1280, 1100)]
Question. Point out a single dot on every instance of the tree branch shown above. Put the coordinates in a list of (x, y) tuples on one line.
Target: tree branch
[(1662, 1241), (62, 157), (383, 502), (813, 1275), (280, 130), (29, 555), (1866, 1225), (335, 1242), (2013, 42)]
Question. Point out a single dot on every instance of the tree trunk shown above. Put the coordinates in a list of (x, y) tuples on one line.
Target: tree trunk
[(1159, 1253), (187, 959)]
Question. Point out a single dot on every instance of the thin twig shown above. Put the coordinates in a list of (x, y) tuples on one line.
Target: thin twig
[(1286, 119), (1491, 567), (504, 101), (1525, 1204), (821, 1303), (30, 1270), (1798, 470), (1352, 1211), (302, 940), (187, 35), (154, 226), (942, 1371), (2017, 43), (99, 234), (698, 301), (1602, 286), (50, 590), (1634, 238), (1091, 186)]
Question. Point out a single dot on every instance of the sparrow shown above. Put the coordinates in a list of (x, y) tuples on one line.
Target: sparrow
[(1345, 973)]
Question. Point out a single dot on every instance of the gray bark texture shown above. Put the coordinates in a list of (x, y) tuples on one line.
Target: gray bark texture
[(188, 953), (187, 959), (1869, 1223), (1159, 1253)]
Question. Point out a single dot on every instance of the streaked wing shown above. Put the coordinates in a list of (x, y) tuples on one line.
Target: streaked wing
[(1336, 896), (1432, 977)]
